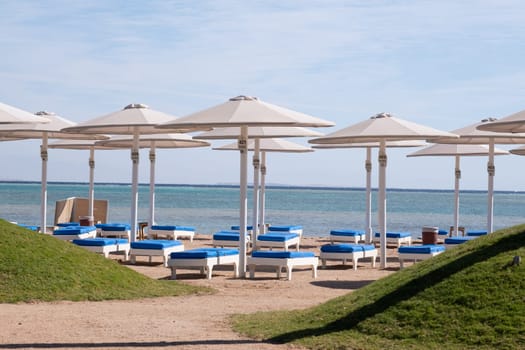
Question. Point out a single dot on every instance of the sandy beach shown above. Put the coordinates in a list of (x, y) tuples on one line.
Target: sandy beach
[(188, 322)]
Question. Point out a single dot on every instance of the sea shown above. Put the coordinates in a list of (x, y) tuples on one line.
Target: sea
[(211, 208)]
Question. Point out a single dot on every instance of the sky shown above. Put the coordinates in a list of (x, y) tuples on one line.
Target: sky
[(444, 64)]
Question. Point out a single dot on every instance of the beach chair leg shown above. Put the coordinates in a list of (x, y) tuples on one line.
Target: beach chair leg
[(173, 273), (314, 271), (133, 259), (209, 271), (251, 268), (235, 270), (401, 263), (354, 261), (374, 260), (289, 273), (323, 263), (278, 270)]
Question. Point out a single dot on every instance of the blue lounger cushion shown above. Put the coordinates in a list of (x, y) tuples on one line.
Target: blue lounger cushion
[(442, 232), (29, 227), (285, 228), (155, 244), (476, 233), (458, 240), (280, 254), (346, 248), (349, 233), (203, 253), (99, 242), (279, 237), (227, 236), (395, 234), (74, 230), (237, 227), (113, 227), (421, 249), (68, 224), (172, 228)]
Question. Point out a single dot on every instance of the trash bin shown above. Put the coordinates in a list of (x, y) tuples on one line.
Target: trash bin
[(430, 235), (86, 220)]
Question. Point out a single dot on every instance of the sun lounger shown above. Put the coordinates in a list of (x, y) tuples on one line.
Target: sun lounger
[(105, 245), (278, 240), (171, 232), (114, 230), (152, 248), (418, 252), (395, 238), (280, 260), (354, 236), (249, 228), (476, 233), (70, 233), (347, 252), (205, 259), (228, 239), (286, 229), (455, 241)]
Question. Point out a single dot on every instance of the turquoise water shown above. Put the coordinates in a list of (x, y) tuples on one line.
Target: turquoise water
[(318, 210)]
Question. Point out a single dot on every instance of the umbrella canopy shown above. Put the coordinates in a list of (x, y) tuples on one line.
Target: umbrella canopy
[(457, 150), (134, 119), (368, 168), (512, 123), (472, 134), (13, 115), (83, 145), (381, 128), (44, 131), (153, 142), (266, 145), (244, 112), (520, 151)]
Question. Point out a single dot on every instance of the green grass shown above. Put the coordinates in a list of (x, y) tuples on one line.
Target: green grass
[(38, 267), (466, 298)]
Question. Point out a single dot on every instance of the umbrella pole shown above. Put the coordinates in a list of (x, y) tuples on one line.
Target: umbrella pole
[(368, 215), (456, 197), (382, 158), (134, 183), (152, 184), (256, 173), (243, 203), (91, 180), (262, 198), (43, 197), (491, 169)]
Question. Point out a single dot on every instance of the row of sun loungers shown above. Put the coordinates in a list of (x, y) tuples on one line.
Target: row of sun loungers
[(114, 238)]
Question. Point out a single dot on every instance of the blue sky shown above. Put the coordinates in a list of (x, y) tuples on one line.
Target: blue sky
[(445, 64)]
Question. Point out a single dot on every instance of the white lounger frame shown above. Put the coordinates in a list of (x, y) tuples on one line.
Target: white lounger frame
[(164, 252), (171, 234), (341, 238), (106, 233), (206, 264), (111, 248), (90, 234), (345, 256), (279, 263), (395, 241), (415, 257), (283, 245)]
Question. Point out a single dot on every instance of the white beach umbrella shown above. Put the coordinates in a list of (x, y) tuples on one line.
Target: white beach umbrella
[(382, 128), (257, 133), (472, 134), (153, 142), (265, 145), (457, 151), (244, 112), (45, 131), (368, 168), (514, 123), (13, 115), (134, 119), (84, 145)]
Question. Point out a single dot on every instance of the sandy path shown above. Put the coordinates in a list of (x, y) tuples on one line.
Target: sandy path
[(190, 322)]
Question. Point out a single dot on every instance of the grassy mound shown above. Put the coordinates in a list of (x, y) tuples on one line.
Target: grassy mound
[(38, 267), (470, 297)]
